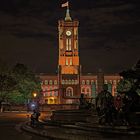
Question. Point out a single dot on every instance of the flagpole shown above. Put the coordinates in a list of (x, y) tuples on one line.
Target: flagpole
[(68, 5)]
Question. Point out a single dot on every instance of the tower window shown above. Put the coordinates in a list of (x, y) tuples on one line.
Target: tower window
[(67, 63), (68, 44), (70, 61), (76, 44)]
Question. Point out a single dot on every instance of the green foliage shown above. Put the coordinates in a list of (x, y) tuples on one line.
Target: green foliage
[(124, 86), (131, 80), (17, 84), (27, 82), (16, 97), (7, 82)]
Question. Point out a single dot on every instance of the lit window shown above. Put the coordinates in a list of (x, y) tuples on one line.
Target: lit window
[(114, 81), (76, 82), (87, 82), (87, 94), (83, 90), (69, 81), (46, 82), (70, 61), (66, 81), (68, 44), (88, 90), (46, 88), (55, 82), (92, 82), (41, 83), (50, 82), (83, 82), (54, 87), (72, 81), (67, 62), (69, 91), (76, 46)]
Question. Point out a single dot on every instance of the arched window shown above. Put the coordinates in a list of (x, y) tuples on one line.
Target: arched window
[(114, 82), (55, 82), (70, 82), (66, 81), (69, 91), (73, 82), (87, 82), (83, 90), (92, 82), (50, 82), (105, 81), (46, 82), (88, 90), (83, 82)]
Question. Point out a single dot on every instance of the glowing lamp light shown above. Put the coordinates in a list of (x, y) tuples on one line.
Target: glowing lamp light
[(34, 94), (32, 105)]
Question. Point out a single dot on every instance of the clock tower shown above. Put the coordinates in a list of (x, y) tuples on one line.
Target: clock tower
[(68, 65)]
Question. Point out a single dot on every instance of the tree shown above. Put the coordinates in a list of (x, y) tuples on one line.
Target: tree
[(130, 84), (7, 82), (27, 83)]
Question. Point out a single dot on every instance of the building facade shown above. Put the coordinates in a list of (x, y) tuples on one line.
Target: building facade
[(69, 83)]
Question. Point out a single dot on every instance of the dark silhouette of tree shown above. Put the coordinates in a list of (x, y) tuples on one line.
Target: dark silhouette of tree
[(7, 82), (130, 84)]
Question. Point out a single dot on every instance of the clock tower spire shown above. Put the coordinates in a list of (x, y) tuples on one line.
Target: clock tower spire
[(68, 18)]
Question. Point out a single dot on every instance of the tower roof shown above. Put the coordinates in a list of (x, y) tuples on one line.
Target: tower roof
[(68, 17)]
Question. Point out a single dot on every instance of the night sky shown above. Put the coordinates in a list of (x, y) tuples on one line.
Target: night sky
[(109, 33)]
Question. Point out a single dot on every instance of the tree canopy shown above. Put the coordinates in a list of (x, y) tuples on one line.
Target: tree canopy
[(130, 85), (17, 83)]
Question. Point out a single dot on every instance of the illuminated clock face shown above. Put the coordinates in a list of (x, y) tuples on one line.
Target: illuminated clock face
[(68, 33)]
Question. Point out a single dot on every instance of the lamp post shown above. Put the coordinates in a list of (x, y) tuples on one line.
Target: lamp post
[(34, 102)]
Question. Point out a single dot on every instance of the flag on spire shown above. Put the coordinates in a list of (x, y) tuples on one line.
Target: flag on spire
[(66, 4)]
